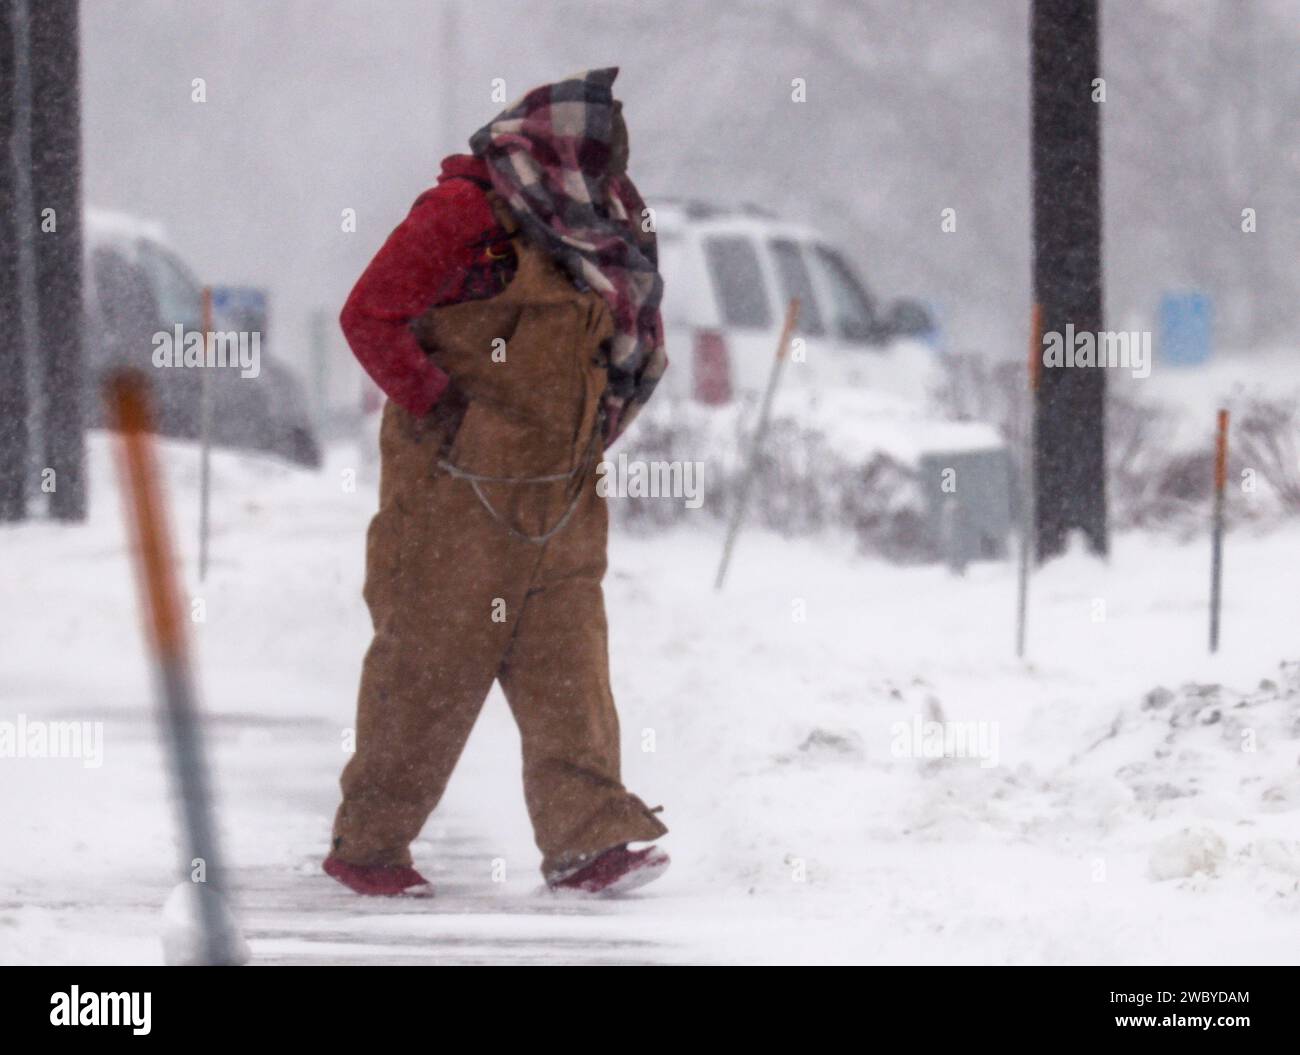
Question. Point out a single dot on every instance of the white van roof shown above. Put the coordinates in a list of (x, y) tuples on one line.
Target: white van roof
[(674, 216), (105, 227)]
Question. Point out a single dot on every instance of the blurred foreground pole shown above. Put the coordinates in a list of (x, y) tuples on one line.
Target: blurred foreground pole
[(756, 444), (56, 197), (127, 395), (1069, 429), (206, 399), (13, 363), (1027, 478), (1216, 543)]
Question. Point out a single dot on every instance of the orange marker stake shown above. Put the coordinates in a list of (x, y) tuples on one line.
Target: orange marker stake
[(128, 400)]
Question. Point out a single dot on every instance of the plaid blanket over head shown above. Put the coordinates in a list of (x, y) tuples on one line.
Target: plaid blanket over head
[(547, 155)]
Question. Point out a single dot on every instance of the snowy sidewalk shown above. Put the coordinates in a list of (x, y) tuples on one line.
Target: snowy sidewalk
[(104, 908), (1117, 825)]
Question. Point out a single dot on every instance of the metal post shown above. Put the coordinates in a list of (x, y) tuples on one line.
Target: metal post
[(127, 394), (1216, 544), (318, 348), (1029, 483), (760, 429), (205, 436)]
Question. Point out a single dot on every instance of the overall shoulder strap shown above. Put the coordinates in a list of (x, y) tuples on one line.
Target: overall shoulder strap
[(503, 214)]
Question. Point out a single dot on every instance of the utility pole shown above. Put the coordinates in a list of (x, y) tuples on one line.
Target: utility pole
[(1069, 405), (13, 360), (56, 197)]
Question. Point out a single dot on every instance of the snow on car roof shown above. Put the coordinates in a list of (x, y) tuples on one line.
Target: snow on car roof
[(104, 225), (855, 422), (673, 216)]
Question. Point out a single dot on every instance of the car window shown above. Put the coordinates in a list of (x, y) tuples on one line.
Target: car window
[(738, 281), (672, 252), (127, 309), (180, 300), (792, 272), (852, 312)]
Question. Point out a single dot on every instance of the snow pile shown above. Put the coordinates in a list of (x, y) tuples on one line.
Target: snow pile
[(1187, 853), (845, 460), (855, 425), (1224, 761), (1249, 742)]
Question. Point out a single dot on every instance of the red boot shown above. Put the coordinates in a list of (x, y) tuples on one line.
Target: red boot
[(379, 880), (615, 871)]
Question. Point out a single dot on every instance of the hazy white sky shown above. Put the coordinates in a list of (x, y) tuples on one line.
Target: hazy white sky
[(315, 106), (312, 107)]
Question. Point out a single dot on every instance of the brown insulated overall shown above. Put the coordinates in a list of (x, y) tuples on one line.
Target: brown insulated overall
[(462, 590)]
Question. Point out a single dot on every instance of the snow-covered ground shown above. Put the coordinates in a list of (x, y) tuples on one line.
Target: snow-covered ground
[(1135, 800)]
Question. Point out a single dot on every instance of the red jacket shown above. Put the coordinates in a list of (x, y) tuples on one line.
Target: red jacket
[(446, 250)]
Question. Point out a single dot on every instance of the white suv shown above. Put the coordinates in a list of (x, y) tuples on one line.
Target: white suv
[(862, 383), (728, 275)]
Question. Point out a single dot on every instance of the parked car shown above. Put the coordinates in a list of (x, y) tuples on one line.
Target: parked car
[(137, 286), (728, 275), (861, 388)]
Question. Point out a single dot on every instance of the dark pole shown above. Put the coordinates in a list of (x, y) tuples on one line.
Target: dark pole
[(1069, 447), (56, 197), (13, 368)]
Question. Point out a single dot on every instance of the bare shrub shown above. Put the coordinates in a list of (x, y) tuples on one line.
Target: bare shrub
[(1266, 437), (801, 486), (1150, 483), (973, 387), (1154, 480)]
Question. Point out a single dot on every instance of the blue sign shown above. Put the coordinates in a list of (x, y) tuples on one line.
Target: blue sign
[(238, 298), (1186, 328), (240, 307)]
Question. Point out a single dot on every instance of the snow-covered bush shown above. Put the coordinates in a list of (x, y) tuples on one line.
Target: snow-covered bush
[(1153, 483), (842, 461), (973, 387), (1159, 440), (1268, 437)]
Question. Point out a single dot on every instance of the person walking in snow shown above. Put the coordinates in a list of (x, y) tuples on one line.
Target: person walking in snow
[(512, 319)]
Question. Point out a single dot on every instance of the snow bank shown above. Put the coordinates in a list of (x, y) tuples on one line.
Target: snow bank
[(844, 461)]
